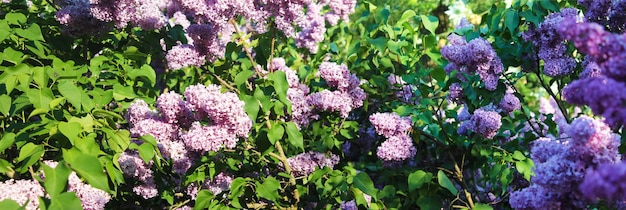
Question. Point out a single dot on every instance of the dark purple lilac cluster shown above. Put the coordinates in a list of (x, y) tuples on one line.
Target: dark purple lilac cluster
[(561, 165), (552, 48), (473, 57), (484, 122), (208, 120), (398, 147), (604, 74), (606, 12), (606, 182)]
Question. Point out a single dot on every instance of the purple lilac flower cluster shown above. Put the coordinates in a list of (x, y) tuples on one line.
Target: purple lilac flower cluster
[(605, 182), (606, 12), (399, 146), (456, 93), (600, 83), (404, 91), (552, 48), (22, 191), (484, 121), (301, 111), (183, 56), (476, 56), (91, 198), (305, 163), (509, 102), (207, 120), (561, 165), (347, 96)]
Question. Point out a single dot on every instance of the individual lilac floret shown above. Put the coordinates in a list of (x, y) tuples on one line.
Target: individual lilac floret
[(509, 103), (606, 182), (22, 191), (305, 163), (456, 93), (182, 56), (396, 148), (485, 123), (390, 124)]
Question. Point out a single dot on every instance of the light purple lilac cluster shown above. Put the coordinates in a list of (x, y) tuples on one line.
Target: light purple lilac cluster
[(473, 57), (220, 183), (600, 83), (22, 191), (347, 96), (305, 163), (91, 198), (207, 120), (398, 147), (561, 165), (183, 56), (484, 122), (509, 102), (404, 91), (552, 48)]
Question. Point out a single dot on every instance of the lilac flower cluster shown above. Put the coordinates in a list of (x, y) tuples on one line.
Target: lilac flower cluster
[(606, 182), (405, 91), (208, 120), (484, 121), (301, 111), (456, 93), (220, 183), (560, 165), (552, 49), (22, 191), (305, 163), (347, 96), (476, 56), (76, 16), (606, 12), (91, 198), (399, 146), (509, 102), (183, 56)]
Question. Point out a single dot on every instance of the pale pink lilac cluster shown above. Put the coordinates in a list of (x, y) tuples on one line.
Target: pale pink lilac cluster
[(561, 165), (26, 192), (205, 120), (347, 96), (305, 163), (398, 146), (220, 183), (551, 44), (484, 122), (91, 198), (404, 91), (182, 56), (473, 57)]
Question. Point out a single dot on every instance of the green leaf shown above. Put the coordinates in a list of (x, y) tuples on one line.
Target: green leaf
[(38, 112), (56, 178), (418, 178), (5, 104), (511, 20), (430, 23), (237, 187), (445, 182), (6, 168), (525, 168), (379, 43), (203, 200), (482, 206), (275, 133), (5, 31), (406, 16), (269, 189), (145, 71), (31, 33), (518, 155), (8, 204), (88, 167), (295, 136), (67, 200), (281, 86), (146, 152), (121, 92), (71, 92), (363, 182), (438, 74), (40, 98), (7, 141), (70, 130), (29, 154), (251, 106), (429, 203), (15, 18)]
